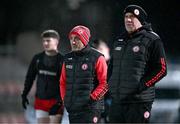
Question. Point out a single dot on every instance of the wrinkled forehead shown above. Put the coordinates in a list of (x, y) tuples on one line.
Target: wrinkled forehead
[(129, 14)]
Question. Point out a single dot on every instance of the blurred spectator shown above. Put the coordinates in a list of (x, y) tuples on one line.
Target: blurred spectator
[(102, 47)]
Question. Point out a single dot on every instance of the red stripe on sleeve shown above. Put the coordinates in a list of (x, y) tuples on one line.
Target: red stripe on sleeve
[(101, 71), (159, 75)]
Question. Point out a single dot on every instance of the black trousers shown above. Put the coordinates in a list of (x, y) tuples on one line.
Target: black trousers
[(87, 116), (130, 113)]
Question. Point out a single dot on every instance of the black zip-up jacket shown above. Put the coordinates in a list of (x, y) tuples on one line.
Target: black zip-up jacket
[(83, 80), (46, 70), (138, 62)]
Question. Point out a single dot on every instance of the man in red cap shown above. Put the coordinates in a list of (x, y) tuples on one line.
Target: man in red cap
[(83, 79)]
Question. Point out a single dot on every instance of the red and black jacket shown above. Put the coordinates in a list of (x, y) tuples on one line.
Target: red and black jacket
[(83, 80), (138, 63)]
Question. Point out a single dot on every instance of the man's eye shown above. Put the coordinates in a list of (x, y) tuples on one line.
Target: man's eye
[(46, 41), (76, 39)]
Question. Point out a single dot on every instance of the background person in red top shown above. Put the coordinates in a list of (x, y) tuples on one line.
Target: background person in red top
[(45, 67), (83, 79)]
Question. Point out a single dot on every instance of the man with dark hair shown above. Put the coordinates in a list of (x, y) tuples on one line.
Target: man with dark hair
[(83, 79), (138, 62), (45, 68)]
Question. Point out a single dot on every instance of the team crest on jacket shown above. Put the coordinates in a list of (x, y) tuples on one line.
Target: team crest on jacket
[(84, 66), (95, 119), (136, 48), (146, 114)]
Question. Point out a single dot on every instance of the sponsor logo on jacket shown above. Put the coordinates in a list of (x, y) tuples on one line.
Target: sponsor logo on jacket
[(45, 72), (69, 66), (118, 48)]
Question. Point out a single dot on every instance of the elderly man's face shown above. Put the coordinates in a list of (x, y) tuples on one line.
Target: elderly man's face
[(76, 43), (131, 22)]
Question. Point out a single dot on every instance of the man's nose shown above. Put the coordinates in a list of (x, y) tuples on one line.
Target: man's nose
[(45, 42), (74, 42), (129, 19)]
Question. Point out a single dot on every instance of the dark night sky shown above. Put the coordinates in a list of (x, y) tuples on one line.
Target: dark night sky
[(163, 14)]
